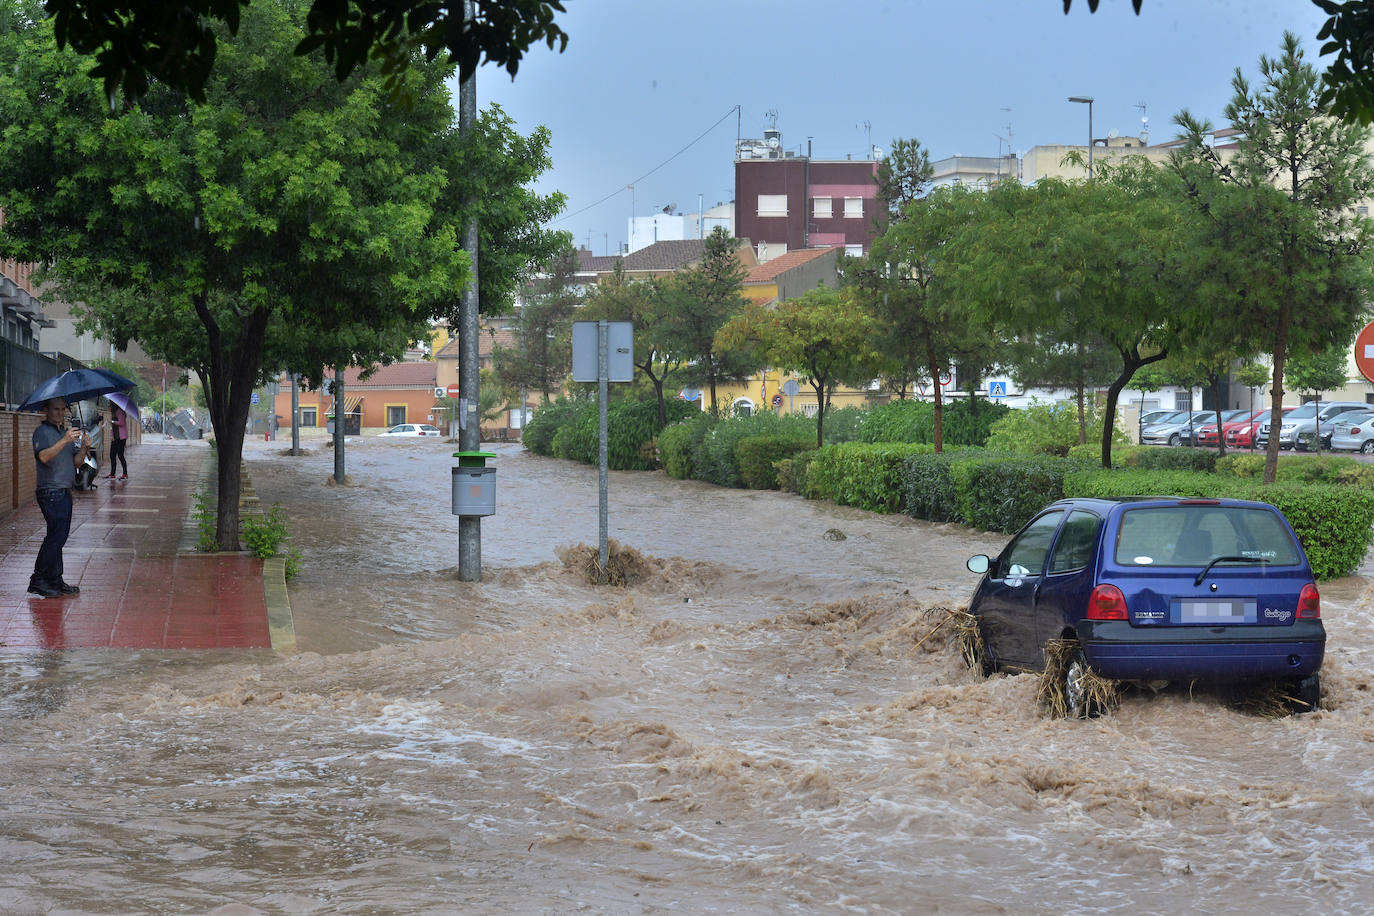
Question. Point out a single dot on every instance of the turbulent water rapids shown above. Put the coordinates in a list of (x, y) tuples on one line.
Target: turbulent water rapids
[(772, 720)]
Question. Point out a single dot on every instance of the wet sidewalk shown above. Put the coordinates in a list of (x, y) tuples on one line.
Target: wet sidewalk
[(132, 552)]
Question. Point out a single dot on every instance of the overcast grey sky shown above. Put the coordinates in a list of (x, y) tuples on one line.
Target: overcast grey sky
[(645, 92)]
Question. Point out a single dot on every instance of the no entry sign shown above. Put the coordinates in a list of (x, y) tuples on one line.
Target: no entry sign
[(1364, 351)]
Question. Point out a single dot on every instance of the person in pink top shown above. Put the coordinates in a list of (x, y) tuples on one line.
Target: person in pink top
[(119, 432)]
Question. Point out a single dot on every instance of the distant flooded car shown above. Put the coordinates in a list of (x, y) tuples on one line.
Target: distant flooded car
[(1155, 589)]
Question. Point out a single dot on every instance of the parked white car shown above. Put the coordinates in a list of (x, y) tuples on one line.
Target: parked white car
[(413, 429), (1354, 432)]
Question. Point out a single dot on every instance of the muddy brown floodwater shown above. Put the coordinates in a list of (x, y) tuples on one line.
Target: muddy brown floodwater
[(758, 726)]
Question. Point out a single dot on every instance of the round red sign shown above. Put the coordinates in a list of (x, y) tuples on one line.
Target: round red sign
[(451, 391), (1364, 351)]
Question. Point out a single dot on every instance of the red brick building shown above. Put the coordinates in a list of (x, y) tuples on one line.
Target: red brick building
[(785, 201)]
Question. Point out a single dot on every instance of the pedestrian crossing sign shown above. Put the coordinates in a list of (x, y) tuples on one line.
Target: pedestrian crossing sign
[(997, 389)]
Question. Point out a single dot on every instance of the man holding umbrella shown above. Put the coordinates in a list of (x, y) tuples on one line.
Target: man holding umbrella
[(58, 452)]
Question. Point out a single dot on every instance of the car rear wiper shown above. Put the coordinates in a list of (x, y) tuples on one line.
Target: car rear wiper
[(1215, 560)]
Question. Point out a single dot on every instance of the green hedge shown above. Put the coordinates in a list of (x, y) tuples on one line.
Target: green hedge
[(679, 442), (757, 458), (631, 427), (714, 458), (1152, 457), (1334, 523), (928, 487), (1003, 492), (1312, 469), (866, 475), (792, 472), (539, 432), (963, 422)]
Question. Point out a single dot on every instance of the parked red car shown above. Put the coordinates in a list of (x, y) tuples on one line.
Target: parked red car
[(1241, 433), (1206, 435)]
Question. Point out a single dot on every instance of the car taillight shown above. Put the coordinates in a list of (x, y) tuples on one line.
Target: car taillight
[(1107, 603), (1309, 603), (1354, 430)]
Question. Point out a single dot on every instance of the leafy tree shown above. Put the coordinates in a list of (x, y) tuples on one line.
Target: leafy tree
[(291, 221), (136, 42), (919, 330), (543, 327), (823, 334), (1279, 218), (904, 175), (697, 302), (1043, 359), (1081, 262), (647, 305), (1313, 373)]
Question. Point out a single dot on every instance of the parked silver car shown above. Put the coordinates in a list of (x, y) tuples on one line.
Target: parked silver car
[(1354, 431), (1173, 429), (1306, 418)]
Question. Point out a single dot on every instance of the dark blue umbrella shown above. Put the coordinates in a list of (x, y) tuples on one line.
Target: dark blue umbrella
[(76, 385)]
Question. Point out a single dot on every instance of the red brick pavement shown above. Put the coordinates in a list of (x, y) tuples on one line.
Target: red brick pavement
[(132, 552)]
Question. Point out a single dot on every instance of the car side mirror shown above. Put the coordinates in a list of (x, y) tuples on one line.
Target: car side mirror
[(979, 564)]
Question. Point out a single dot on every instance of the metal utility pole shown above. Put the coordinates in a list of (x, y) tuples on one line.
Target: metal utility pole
[(339, 421), (469, 426), (295, 414)]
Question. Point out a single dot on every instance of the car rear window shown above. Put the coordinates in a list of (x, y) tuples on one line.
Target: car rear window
[(1194, 535)]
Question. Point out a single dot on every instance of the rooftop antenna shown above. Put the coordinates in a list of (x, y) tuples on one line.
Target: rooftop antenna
[(868, 133), (1144, 124)]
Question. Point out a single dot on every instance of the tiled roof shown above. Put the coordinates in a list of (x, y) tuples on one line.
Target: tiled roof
[(396, 375), (673, 254), (595, 264), (488, 337), (769, 271)]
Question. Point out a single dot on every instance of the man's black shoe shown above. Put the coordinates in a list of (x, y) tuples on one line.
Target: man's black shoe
[(44, 589), (67, 589)]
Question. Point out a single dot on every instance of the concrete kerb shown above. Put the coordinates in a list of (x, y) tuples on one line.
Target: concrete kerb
[(280, 622)]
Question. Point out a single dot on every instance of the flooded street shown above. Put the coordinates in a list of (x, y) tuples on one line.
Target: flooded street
[(766, 723)]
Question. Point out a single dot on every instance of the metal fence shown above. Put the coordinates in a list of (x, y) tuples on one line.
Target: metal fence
[(21, 369)]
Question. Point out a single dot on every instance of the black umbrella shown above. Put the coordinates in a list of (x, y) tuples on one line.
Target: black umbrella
[(76, 385)]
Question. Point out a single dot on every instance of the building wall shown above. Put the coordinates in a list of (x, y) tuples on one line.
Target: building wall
[(418, 402), (802, 180), (17, 469)]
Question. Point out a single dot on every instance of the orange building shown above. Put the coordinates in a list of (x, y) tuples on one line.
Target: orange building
[(398, 393)]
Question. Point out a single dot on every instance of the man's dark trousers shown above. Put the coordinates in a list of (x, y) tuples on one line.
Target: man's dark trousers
[(56, 506)]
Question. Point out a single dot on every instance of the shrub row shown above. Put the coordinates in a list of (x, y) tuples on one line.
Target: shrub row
[(1150, 457), (862, 474), (1334, 522), (963, 422), (990, 490), (570, 428)]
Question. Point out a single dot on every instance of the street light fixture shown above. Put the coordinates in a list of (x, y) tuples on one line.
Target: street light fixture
[(1089, 102)]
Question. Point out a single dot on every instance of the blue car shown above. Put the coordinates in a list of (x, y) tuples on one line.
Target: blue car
[(1155, 589)]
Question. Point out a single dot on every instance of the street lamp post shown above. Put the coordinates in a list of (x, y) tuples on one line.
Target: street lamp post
[(1089, 102)]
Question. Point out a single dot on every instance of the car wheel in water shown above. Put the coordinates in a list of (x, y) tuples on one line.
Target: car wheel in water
[(1174, 439), (1078, 701), (1305, 694), (1367, 447)]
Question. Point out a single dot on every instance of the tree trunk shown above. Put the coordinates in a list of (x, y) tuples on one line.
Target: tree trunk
[(1271, 448), (819, 387), (1130, 363), (231, 375), (939, 399)]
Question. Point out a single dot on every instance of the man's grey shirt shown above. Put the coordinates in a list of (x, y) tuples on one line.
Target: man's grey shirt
[(61, 471)]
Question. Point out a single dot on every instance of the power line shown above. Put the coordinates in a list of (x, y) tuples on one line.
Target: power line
[(651, 171)]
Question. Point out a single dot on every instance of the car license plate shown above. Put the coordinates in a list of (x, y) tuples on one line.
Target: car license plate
[(1215, 610)]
